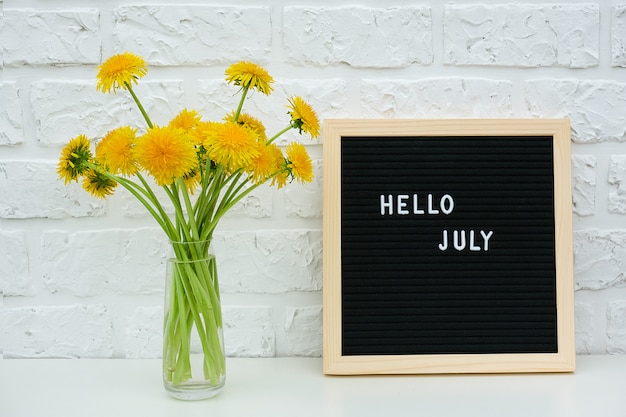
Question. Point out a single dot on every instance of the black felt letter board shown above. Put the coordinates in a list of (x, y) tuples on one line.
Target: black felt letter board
[(447, 245)]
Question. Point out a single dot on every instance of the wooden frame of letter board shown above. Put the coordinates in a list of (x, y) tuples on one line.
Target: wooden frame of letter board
[(335, 363)]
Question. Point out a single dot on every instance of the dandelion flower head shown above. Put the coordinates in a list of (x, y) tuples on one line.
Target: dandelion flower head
[(280, 179), (115, 151), (299, 162), (192, 180), (98, 184), (250, 75), (250, 122), (186, 120), (266, 163), (166, 153), (74, 157), (120, 71), (232, 145), (303, 117)]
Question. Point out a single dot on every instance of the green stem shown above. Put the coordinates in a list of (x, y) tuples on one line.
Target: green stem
[(194, 301), (144, 195), (279, 134), (232, 200), (202, 206), (189, 207), (182, 229), (244, 93), (167, 225), (141, 109)]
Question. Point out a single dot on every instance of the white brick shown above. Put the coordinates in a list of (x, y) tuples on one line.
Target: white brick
[(36, 37), (599, 259), (73, 331), (595, 107), (32, 189), (584, 184), (447, 97), (618, 35), (133, 208), (1, 70), (15, 276), (248, 331), (361, 37), (92, 262), (585, 328), (305, 200), (524, 35), (303, 328), (269, 261), (616, 327), (256, 205), (216, 99), (11, 123), (617, 177), (64, 109), (195, 35), (144, 333)]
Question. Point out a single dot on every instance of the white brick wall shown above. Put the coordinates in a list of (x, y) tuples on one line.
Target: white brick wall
[(522, 35), (83, 278), (62, 35)]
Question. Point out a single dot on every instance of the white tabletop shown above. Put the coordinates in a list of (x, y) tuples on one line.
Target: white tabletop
[(297, 387)]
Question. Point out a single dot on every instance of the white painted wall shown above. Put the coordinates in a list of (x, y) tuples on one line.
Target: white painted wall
[(83, 278)]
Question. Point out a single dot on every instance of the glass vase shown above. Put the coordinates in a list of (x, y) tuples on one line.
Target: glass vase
[(193, 344)]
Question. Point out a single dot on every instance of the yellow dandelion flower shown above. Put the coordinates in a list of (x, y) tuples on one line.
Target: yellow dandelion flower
[(98, 184), (250, 122), (186, 120), (303, 117), (74, 156), (232, 145), (299, 162), (204, 135), (115, 151), (250, 75), (265, 163), (166, 153), (280, 180), (192, 180), (207, 132), (120, 71)]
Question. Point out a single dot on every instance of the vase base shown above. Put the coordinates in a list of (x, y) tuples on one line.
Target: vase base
[(193, 393)]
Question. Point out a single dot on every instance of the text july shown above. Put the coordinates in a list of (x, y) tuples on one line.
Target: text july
[(462, 240)]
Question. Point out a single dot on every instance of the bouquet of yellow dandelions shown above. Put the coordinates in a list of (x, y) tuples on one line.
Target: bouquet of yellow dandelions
[(205, 168)]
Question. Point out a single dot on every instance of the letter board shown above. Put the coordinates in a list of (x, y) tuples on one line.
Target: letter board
[(447, 246)]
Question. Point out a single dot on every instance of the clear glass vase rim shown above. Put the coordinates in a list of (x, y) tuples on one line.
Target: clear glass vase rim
[(175, 260), (189, 242)]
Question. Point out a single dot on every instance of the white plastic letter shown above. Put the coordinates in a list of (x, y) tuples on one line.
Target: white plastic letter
[(446, 204), (444, 245), (486, 236), (431, 210), (416, 209), (459, 240), (402, 204), (388, 204), (472, 239)]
